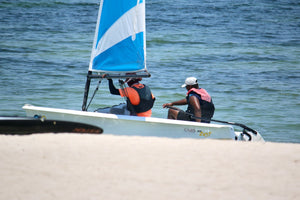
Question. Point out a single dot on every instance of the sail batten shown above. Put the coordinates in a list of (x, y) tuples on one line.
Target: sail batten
[(119, 44)]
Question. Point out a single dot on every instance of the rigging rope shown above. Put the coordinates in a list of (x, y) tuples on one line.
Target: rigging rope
[(97, 88)]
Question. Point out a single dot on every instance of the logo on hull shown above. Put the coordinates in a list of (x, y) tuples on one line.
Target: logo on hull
[(198, 131)]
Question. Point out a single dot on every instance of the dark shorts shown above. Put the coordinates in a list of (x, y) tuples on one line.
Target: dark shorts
[(183, 116)]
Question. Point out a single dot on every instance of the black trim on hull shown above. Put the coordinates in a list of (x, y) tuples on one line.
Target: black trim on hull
[(30, 125)]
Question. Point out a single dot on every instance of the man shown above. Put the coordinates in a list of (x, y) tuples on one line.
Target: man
[(140, 100), (199, 104)]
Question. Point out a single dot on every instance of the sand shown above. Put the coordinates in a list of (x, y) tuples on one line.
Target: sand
[(75, 166)]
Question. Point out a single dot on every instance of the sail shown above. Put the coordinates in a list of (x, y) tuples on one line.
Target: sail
[(119, 43)]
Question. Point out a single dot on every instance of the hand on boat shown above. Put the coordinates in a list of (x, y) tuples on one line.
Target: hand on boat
[(167, 104)]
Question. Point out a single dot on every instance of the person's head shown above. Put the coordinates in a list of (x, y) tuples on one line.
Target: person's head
[(190, 82), (132, 80)]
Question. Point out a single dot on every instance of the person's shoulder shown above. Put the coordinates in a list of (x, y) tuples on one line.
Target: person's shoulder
[(139, 86)]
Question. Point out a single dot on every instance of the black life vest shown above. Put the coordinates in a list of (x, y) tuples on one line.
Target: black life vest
[(146, 100), (205, 100)]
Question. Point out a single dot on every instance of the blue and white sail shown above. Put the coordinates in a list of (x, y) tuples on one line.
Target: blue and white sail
[(119, 43)]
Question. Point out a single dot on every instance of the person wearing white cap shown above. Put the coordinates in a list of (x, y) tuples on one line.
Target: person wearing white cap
[(199, 103)]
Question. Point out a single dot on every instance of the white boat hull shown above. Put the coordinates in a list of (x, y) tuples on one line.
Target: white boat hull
[(141, 126)]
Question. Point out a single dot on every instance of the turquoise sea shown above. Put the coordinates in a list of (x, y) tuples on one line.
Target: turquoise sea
[(246, 54)]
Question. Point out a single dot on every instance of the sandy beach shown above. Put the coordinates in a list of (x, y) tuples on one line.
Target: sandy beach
[(76, 166)]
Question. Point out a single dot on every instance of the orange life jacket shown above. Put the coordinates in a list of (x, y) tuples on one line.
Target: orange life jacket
[(139, 99)]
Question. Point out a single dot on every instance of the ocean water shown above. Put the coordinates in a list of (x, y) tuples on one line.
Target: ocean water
[(246, 54)]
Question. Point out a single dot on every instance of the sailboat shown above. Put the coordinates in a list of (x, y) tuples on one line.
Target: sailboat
[(119, 51)]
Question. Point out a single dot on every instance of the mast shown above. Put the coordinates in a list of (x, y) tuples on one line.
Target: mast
[(86, 91)]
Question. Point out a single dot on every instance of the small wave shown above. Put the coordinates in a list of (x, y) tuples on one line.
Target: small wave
[(43, 3)]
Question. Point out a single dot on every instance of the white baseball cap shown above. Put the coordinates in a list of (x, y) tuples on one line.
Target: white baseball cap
[(190, 81)]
